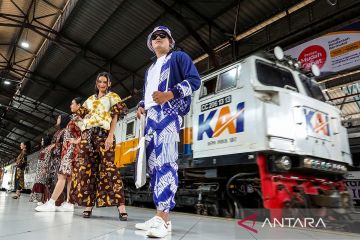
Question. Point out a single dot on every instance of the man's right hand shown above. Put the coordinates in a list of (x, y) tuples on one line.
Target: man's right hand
[(140, 111)]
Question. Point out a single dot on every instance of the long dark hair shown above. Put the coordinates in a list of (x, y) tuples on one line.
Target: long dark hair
[(64, 120), (78, 100), (27, 146), (46, 140), (108, 77)]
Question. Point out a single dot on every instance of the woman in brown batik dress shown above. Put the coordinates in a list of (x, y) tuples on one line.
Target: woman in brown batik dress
[(55, 159), (99, 180), (21, 162)]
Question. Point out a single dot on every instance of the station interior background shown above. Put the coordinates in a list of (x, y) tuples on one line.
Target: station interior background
[(51, 51)]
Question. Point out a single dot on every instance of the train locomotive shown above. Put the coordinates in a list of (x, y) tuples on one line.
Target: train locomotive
[(259, 134)]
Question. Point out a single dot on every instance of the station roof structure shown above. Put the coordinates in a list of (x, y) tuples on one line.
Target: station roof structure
[(52, 50)]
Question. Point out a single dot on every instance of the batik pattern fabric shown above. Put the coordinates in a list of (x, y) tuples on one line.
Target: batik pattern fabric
[(19, 172), (55, 159), (39, 192), (96, 180), (100, 111), (162, 169), (69, 150)]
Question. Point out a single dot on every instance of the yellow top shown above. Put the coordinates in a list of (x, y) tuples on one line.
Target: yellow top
[(99, 111)]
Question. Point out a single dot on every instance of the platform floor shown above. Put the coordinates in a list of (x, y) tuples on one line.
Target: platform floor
[(18, 220)]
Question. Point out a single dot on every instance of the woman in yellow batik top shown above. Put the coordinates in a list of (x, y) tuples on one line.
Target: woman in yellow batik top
[(98, 180)]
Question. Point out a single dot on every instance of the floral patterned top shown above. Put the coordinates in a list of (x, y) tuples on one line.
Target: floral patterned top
[(70, 150), (98, 112)]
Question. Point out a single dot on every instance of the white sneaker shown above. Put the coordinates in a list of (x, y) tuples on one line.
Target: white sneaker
[(145, 225), (159, 228), (46, 207), (149, 223), (39, 203), (66, 207)]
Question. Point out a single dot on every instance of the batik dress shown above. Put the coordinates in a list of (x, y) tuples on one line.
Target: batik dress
[(21, 162), (39, 192), (55, 159), (98, 180), (70, 150)]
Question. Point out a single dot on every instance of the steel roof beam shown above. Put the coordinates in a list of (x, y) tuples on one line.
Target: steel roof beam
[(190, 29)]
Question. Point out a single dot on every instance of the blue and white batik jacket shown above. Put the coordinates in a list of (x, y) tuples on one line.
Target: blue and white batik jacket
[(179, 75)]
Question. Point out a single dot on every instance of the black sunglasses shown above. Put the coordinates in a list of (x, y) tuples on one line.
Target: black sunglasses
[(161, 35)]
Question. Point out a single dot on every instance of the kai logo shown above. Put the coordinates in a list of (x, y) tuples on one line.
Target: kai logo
[(224, 119), (317, 122)]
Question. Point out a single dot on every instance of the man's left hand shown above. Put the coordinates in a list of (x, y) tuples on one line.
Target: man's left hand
[(162, 97)]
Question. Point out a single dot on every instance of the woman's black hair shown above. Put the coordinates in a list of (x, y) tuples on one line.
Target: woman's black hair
[(78, 100), (27, 145), (64, 120), (108, 77), (47, 140)]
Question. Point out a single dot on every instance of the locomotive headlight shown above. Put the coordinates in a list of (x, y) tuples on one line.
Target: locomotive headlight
[(315, 70), (297, 64), (324, 166), (283, 163), (328, 166), (290, 62), (279, 53), (307, 162)]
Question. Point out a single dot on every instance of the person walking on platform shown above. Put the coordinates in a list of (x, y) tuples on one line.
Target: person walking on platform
[(68, 157), (21, 162), (99, 182), (169, 83), (55, 159), (39, 192)]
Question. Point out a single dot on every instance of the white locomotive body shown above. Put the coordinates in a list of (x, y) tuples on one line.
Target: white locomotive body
[(257, 129)]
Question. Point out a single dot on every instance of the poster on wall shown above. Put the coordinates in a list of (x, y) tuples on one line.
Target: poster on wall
[(333, 52)]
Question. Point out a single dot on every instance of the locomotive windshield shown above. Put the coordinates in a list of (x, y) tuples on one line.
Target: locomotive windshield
[(312, 88), (272, 75)]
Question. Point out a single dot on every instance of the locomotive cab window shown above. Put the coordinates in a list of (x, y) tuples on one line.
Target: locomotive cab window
[(227, 79), (208, 87), (271, 75), (130, 128), (312, 88)]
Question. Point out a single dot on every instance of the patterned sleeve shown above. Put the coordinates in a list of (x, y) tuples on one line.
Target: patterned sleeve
[(21, 161), (117, 106), (191, 81), (82, 112)]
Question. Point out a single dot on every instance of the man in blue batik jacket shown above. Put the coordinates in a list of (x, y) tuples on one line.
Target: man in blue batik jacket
[(169, 84)]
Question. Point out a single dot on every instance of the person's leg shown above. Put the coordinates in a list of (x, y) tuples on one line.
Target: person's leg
[(59, 187), (110, 185), (165, 180), (68, 179), (166, 184), (50, 206), (85, 182), (19, 182), (150, 159)]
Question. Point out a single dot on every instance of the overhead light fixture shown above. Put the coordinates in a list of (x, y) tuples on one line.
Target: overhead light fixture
[(25, 44), (6, 82)]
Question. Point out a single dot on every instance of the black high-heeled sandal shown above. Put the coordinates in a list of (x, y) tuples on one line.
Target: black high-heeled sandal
[(87, 214), (123, 216)]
